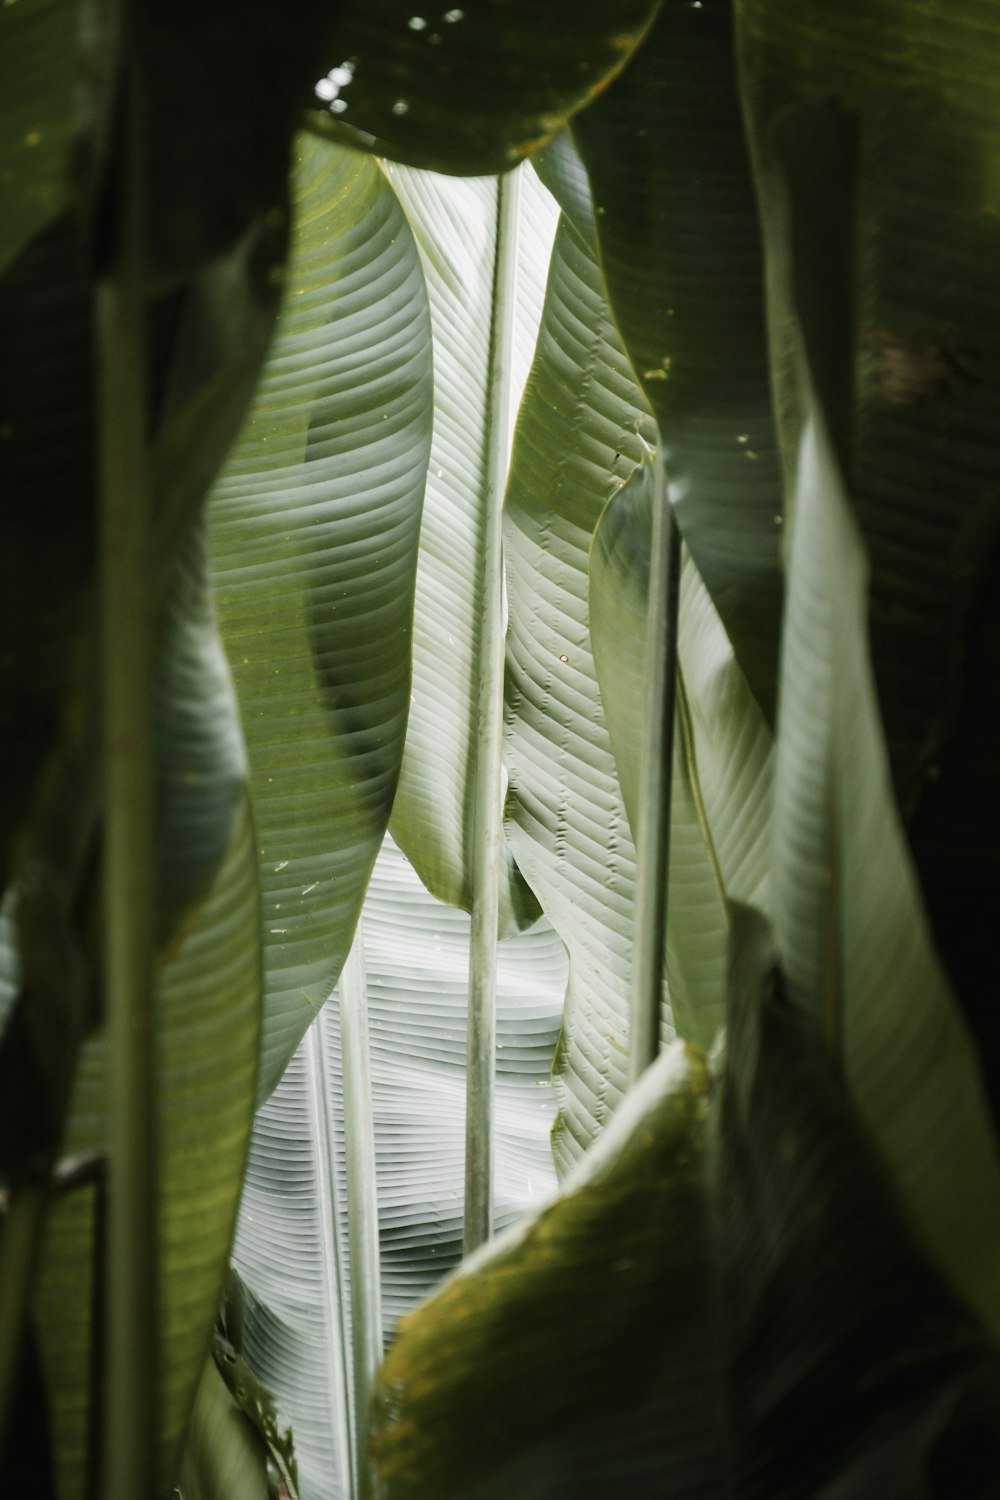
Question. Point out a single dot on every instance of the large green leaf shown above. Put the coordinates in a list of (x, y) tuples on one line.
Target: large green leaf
[(224, 1455), (313, 534), (204, 345), (473, 88), (576, 440), (292, 1243), (455, 224), (696, 921), (679, 241), (38, 59), (887, 204), (566, 822), (851, 926), (921, 90), (207, 1035), (720, 1272)]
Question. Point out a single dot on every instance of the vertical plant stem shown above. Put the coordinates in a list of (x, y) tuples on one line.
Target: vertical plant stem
[(323, 1136), (488, 821), (653, 842), (362, 1192), (131, 1337), (20, 1239)]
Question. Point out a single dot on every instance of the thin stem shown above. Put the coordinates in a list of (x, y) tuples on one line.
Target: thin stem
[(653, 843), (20, 1240), (335, 1290), (362, 1193), (131, 1338), (488, 823), (323, 1138)]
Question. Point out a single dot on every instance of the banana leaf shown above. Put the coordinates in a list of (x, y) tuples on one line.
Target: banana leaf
[(721, 1270), (455, 225), (291, 1248), (886, 199), (680, 247), (565, 818), (38, 40), (313, 530), (207, 1037), (470, 89)]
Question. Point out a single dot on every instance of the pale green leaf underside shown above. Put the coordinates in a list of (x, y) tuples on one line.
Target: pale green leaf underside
[(417, 966), (696, 922), (576, 438), (455, 224), (313, 532), (851, 927)]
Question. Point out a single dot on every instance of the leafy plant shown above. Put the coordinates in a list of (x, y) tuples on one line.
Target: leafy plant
[(265, 379)]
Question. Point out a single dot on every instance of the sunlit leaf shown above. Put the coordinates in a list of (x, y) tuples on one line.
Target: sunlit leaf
[(455, 225), (292, 1242), (313, 531)]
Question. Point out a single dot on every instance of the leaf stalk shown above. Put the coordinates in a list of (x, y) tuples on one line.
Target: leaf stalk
[(656, 772)]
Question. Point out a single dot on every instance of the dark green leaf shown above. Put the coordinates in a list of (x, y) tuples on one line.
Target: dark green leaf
[(679, 240), (472, 88), (884, 207), (850, 923), (38, 61)]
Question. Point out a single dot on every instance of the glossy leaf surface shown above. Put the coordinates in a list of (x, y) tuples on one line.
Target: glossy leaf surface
[(313, 535), (566, 820), (696, 920), (292, 1241), (472, 88), (455, 225)]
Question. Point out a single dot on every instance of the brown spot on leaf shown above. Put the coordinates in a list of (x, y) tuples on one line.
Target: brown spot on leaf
[(916, 368)]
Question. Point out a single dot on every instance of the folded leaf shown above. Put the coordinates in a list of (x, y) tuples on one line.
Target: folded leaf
[(696, 920), (576, 437), (224, 1455), (908, 322), (850, 923), (455, 226)]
